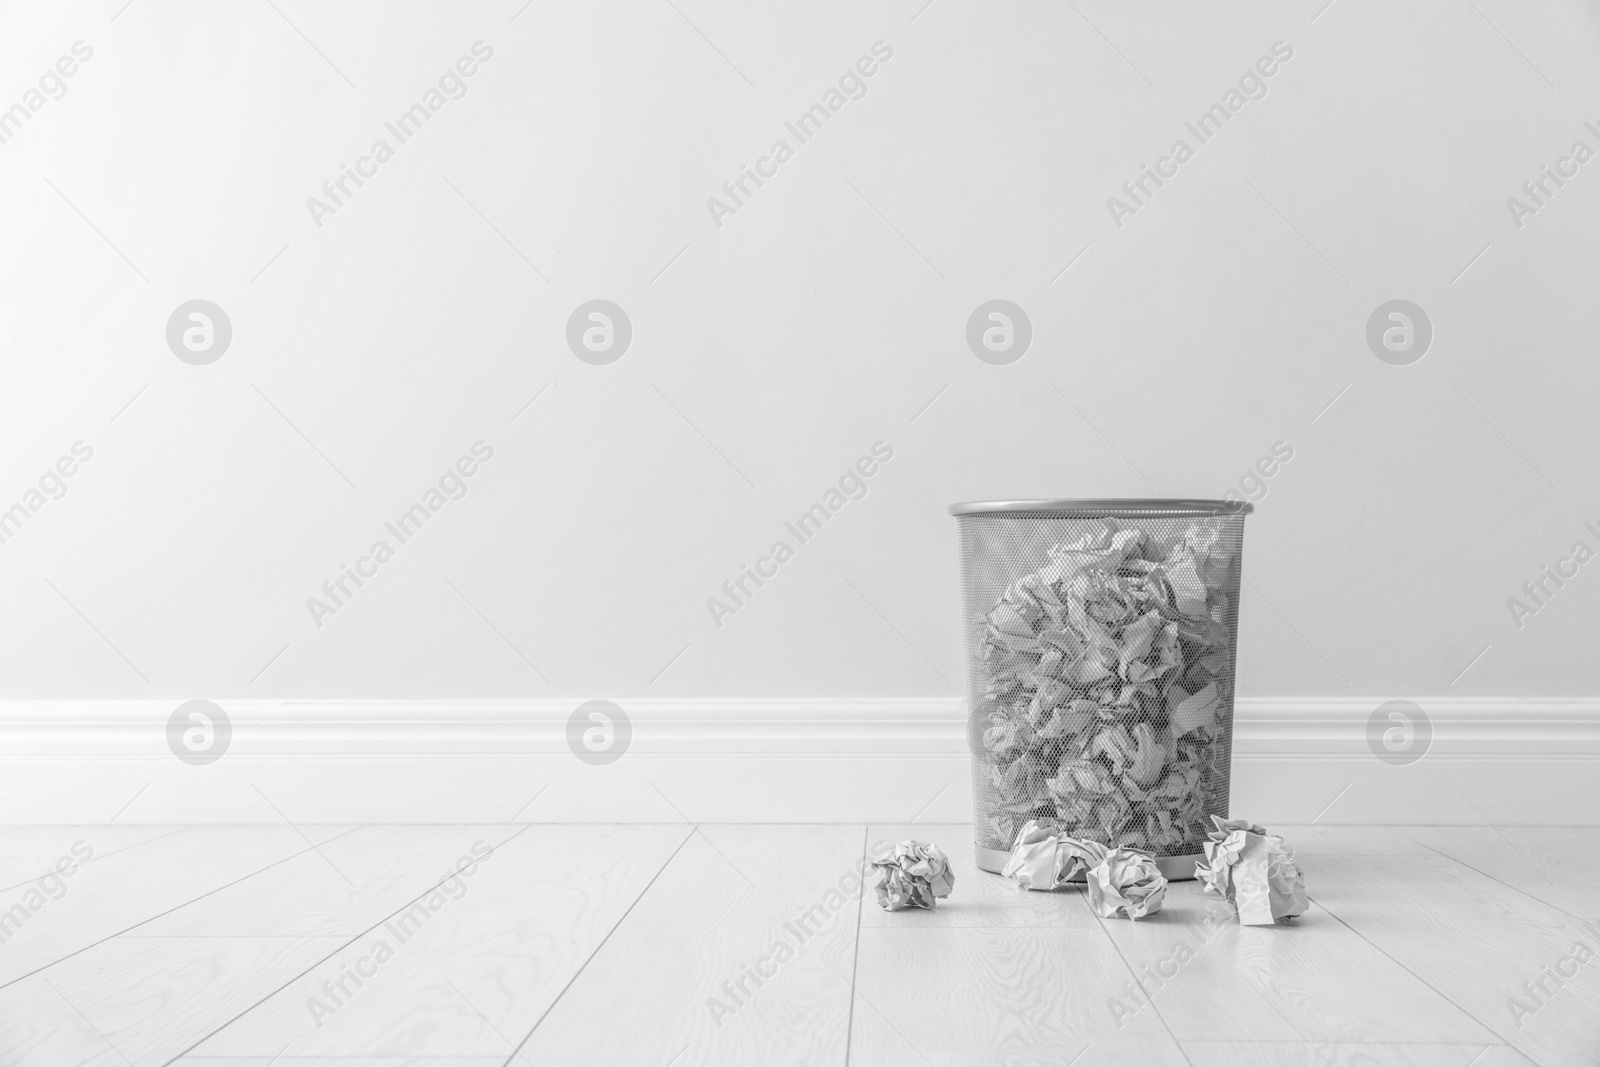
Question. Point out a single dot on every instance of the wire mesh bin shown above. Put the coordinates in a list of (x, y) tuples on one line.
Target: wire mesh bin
[(1100, 640)]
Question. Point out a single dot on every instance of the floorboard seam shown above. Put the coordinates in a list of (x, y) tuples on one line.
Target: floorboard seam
[(338, 949), (1165, 1025), (169, 911), (1302, 1041), (855, 957), (107, 855), (1387, 955), (1501, 881), (575, 974)]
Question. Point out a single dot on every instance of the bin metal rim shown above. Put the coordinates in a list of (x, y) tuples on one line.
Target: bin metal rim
[(1093, 508), (1173, 868)]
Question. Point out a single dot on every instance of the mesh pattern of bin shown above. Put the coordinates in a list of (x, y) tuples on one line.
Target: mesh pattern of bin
[(1100, 641)]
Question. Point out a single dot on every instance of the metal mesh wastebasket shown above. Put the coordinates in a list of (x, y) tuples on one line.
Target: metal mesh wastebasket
[(1100, 639)]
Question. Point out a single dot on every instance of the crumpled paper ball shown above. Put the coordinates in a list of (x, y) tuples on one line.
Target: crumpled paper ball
[(1119, 880), (1254, 871), (914, 876), (1044, 858), (1128, 881)]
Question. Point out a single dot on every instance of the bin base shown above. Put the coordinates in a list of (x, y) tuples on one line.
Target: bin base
[(1173, 868)]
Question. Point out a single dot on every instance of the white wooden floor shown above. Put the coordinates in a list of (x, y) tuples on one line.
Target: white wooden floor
[(603, 944)]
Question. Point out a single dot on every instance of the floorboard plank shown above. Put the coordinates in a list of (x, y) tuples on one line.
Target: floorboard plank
[(1310, 839), (1312, 980), (998, 995), (613, 944), (29, 852), (111, 895), (1476, 941), (720, 906), (310, 896), (364, 1061), (469, 976), (110, 1058), (1295, 1054), (1557, 865), (143, 1001)]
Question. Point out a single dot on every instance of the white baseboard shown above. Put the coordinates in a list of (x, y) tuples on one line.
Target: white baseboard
[(1507, 761)]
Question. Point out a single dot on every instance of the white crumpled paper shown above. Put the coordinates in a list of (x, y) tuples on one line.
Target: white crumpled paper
[(913, 876), (1254, 871), (1119, 880), (1044, 858), (1126, 881)]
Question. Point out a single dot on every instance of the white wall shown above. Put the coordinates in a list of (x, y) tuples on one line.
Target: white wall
[(822, 317)]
